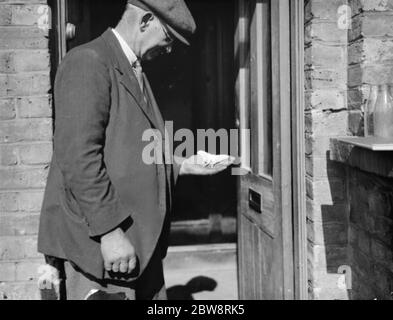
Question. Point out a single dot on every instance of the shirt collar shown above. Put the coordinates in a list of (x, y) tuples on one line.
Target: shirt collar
[(131, 57)]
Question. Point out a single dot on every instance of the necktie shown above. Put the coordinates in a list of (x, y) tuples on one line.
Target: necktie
[(139, 74)]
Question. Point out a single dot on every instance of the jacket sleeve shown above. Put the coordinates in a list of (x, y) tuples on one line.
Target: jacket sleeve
[(82, 103)]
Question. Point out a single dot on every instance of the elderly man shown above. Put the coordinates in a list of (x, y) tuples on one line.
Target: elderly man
[(105, 212)]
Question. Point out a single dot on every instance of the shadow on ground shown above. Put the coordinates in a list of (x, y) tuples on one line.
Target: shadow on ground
[(195, 285)]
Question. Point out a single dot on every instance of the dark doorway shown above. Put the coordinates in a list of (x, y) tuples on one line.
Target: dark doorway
[(194, 88)]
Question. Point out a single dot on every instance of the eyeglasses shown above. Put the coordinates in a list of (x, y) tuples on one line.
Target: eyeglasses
[(168, 38)]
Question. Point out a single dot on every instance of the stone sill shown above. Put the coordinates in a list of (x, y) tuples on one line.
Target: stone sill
[(359, 153)]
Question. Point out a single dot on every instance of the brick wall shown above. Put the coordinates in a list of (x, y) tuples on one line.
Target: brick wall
[(327, 115), (349, 211), (370, 197), (371, 235), (25, 140)]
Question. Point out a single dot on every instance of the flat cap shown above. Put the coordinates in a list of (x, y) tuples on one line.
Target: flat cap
[(174, 13)]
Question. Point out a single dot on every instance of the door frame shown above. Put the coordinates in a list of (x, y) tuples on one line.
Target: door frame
[(291, 48), (59, 26), (298, 149)]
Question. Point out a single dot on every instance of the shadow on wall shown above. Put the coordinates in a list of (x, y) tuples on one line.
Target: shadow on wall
[(371, 235), (358, 229), (331, 241)]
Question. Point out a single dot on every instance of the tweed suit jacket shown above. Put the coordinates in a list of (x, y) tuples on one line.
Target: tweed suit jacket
[(98, 179)]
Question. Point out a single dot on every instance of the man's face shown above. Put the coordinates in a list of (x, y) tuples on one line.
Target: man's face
[(158, 40)]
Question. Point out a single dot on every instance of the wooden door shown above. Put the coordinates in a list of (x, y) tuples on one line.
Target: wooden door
[(264, 107)]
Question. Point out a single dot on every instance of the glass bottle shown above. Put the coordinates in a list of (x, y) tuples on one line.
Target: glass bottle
[(369, 112), (383, 113)]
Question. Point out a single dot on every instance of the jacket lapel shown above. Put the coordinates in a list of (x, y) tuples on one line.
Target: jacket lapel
[(167, 145), (130, 82), (154, 106), (127, 76)]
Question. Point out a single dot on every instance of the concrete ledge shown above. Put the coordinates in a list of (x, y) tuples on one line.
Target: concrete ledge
[(376, 162)]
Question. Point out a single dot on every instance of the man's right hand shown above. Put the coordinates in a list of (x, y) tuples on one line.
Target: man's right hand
[(118, 252)]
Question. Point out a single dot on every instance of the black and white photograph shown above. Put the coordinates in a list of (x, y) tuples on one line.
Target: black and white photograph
[(219, 151)]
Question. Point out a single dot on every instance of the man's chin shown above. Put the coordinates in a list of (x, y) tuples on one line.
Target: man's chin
[(151, 55)]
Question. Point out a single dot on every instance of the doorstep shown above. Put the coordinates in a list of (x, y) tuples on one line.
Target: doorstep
[(203, 272)]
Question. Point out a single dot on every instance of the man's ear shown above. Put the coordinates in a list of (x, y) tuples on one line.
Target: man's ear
[(146, 19)]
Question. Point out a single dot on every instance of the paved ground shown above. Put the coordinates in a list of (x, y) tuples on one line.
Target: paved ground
[(202, 273)]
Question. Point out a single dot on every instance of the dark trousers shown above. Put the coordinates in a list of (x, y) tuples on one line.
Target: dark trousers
[(149, 286)]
